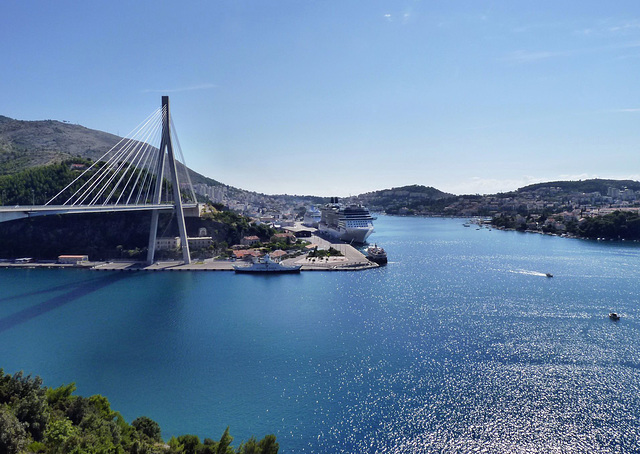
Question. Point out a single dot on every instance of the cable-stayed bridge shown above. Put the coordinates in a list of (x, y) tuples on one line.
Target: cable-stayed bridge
[(134, 175)]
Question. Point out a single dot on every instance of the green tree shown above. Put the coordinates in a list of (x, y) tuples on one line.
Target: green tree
[(225, 442), (175, 446), (13, 437), (189, 443), (58, 433), (27, 400), (148, 427), (268, 445), (61, 397)]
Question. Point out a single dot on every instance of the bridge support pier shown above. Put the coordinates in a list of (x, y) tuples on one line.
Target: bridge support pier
[(166, 150)]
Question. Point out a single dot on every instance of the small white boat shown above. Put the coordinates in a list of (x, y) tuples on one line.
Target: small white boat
[(266, 265)]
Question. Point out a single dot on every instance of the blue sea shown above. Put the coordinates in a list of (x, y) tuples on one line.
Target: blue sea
[(460, 344)]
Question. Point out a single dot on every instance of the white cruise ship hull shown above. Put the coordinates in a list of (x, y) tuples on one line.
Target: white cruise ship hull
[(348, 235), (352, 223)]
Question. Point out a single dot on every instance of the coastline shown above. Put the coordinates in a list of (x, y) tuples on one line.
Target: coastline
[(216, 265), (351, 260)]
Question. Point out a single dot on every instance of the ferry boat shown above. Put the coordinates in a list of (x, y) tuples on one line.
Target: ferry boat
[(266, 265), (312, 217), (351, 223), (377, 254)]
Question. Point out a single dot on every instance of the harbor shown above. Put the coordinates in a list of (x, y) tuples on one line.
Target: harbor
[(350, 260), (457, 335)]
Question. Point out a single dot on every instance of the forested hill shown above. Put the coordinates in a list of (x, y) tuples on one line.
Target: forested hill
[(586, 186), (27, 144), (407, 199)]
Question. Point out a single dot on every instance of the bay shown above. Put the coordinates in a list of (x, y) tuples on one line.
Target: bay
[(460, 343)]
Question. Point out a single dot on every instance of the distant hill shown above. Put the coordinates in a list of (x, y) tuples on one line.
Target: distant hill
[(407, 200), (592, 185), (27, 144)]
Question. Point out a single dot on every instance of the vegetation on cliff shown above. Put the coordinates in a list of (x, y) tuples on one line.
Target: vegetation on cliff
[(37, 419), (28, 144), (408, 200), (120, 235), (619, 225), (102, 236), (37, 185)]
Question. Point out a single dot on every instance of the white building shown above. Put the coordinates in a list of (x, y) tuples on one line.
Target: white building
[(167, 243)]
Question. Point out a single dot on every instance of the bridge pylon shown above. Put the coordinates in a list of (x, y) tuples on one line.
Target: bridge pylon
[(166, 152)]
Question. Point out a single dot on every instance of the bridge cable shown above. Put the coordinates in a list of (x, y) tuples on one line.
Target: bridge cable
[(117, 164), (104, 171), (152, 171), (133, 161), (98, 160), (184, 162), (144, 169)]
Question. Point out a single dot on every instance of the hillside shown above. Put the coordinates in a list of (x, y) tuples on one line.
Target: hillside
[(586, 186), (27, 144), (407, 200)]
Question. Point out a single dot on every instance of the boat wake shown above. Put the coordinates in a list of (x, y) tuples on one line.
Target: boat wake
[(528, 273)]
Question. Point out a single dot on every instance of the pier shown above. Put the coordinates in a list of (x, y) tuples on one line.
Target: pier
[(351, 260)]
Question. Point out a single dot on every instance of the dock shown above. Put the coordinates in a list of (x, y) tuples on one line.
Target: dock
[(351, 260)]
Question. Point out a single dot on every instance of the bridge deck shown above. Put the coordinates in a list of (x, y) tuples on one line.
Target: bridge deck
[(10, 213)]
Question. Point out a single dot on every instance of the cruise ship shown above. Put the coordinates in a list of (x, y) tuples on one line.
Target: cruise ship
[(350, 223), (312, 217)]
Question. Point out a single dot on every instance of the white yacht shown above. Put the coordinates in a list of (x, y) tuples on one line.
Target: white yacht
[(351, 223)]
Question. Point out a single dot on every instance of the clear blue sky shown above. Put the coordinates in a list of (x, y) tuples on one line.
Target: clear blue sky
[(343, 97)]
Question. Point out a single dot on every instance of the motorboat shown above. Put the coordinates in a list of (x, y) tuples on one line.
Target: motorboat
[(614, 316), (549, 275)]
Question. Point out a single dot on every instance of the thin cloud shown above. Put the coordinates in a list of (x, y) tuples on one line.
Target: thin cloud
[(404, 18), (480, 185), (175, 90), (627, 110), (626, 26), (485, 186), (522, 56)]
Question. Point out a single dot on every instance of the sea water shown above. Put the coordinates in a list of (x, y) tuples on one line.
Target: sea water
[(460, 343)]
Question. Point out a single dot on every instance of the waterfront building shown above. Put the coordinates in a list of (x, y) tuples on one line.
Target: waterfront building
[(167, 243), (72, 259), (200, 242)]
